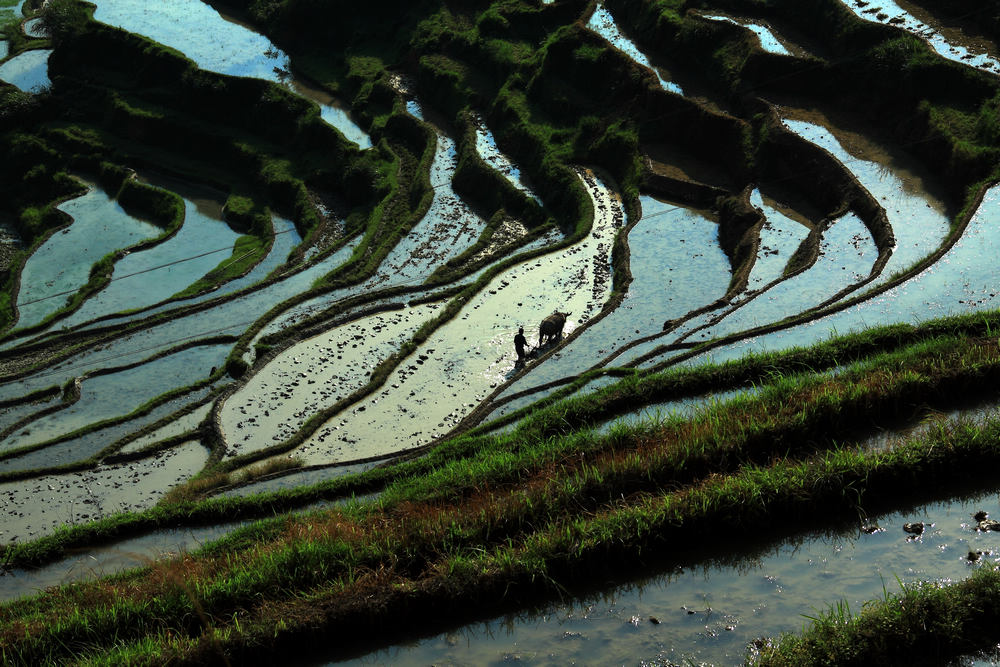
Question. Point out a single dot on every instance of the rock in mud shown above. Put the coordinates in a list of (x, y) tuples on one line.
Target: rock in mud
[(988, 524)]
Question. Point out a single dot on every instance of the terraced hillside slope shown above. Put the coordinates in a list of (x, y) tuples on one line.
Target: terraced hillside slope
[(264, 262)]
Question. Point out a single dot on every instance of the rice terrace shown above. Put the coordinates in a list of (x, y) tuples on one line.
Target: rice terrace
[(648, 332)]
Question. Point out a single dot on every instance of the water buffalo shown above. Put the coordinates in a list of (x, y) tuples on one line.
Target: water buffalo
[(551, 327)]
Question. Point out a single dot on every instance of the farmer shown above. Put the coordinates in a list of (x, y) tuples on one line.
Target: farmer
[(519, 342)]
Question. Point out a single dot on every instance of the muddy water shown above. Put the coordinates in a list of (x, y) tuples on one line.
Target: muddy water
[(36, 507), (34, 28), (91, 564), (79, 448), (126, 554), (331, 111), (286, 237), (846, 258), (950, 43), (708, 612), (11, 415), (29, 70), (919, 220), (677, 266), (61, 265), (218, 44), (229, 318), (313, 375), (768, 40), (780, 237), (178, 426), (962, 281), (486, 146), (604, 24), (117, 394), (685, 408), (150, 276), (294, 480), (445, 377), (448, 228)]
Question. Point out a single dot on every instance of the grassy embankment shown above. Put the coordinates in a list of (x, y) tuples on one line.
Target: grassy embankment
[(925, 623), (540, 510)]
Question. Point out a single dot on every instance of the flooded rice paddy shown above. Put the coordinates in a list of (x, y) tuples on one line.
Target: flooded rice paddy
[(962, 281), (29, 70), (768, 40), (947, 42), (603, 23), (62, 264), (150, 388), (228, 47), (145, 278)]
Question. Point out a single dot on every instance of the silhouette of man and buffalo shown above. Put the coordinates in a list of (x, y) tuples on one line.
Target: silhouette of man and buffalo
[(549, 331)]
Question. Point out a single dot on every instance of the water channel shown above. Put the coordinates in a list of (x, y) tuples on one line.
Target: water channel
[(709, 610)]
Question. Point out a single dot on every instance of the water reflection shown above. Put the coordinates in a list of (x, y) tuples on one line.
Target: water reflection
[(486, 146), (29, 70), (62, 264), (604, 24), (220, 45), (888, 12), (768, 40), (677, 266), (708, 612), (962, 281)]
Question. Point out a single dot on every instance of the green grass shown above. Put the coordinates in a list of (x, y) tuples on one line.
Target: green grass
[(924, 623)]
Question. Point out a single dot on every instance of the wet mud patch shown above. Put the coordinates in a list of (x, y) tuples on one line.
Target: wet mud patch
[(682, 165), (37, 507), (446, 377), (677, 267), (312, 375)]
